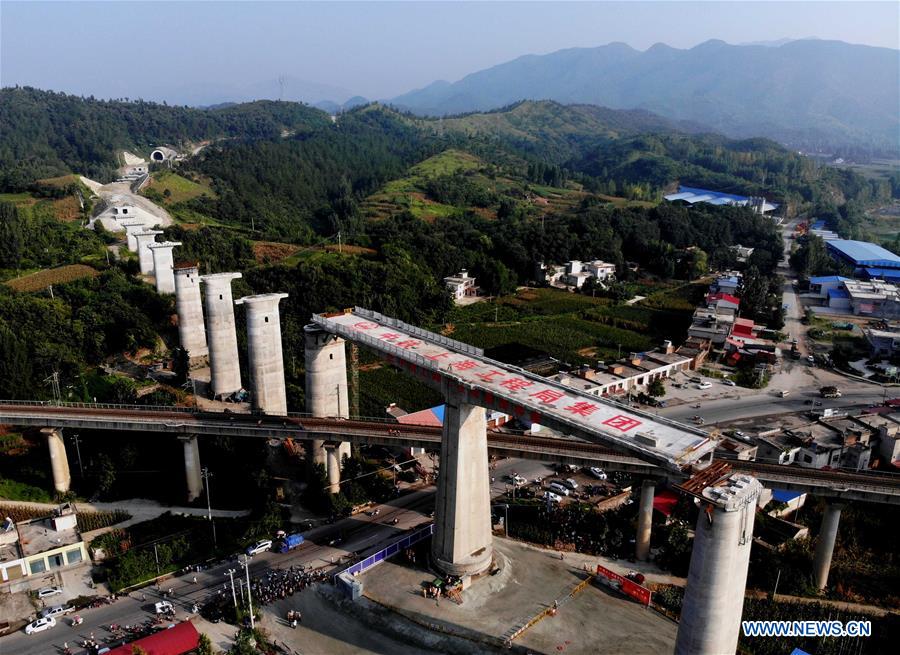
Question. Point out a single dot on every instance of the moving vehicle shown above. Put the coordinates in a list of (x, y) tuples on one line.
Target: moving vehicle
[(290, 542), (558, 488), (597, 472), (40, 625), (552, 497), (518, 480), (259, 547), (164, 607), (830, 392), (55, 610), (810, 359), (784, 393), (704, 385), (49, 591), (729, 383)]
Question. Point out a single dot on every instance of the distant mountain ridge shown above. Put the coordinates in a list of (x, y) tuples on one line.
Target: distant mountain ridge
[(807, 93)]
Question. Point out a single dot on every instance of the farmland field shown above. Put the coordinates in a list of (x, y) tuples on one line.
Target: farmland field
[(42, 279)]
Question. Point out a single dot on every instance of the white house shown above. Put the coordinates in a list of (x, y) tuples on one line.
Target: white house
[(461, 286), (601, 270)]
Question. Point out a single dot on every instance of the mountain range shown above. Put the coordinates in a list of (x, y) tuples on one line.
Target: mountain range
[(812, 94)]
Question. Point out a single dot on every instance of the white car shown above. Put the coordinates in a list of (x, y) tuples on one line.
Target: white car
[(49, 591), (40, 625), (729, 383), (552, 497), (704, 385), (259, 547), (570, 483), (55, 610), (598, 473), (164, 607), (518, 480)]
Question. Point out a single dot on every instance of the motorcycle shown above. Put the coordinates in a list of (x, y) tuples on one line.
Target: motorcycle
[(77, 620)]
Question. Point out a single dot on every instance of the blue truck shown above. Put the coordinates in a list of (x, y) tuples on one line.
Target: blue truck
[(290, 542)]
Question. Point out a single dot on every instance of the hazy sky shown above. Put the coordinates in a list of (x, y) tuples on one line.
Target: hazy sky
[(212, 51)]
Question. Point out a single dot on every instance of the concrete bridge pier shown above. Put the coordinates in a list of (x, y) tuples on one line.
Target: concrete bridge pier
[(192, 466), (462, 542), (59, 462), (132, 228), (326, 383), (189, 305), (224, 365), (163, 265), (333, 466), (145, 256), (714, 595), (645, 520), (825, 544), (267, 389)]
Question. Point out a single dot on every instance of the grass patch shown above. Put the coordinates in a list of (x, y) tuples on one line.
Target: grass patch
[(170, 188), (42, 279), (13, 490)]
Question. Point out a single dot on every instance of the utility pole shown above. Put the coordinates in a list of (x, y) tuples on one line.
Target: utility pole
[(230, 574), (249, 595), (77, 441), (156, 556), (206, 475)]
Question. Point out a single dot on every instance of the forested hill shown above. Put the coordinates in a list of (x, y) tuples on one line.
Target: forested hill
[(807, 93), (45, 134)]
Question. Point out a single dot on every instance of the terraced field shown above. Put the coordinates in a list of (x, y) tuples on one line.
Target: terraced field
[(42, 279)]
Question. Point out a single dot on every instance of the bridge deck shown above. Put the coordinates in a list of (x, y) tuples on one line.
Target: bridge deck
[(494, 384)]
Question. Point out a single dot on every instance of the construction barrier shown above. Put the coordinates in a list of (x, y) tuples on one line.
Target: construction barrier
[(385, 553)]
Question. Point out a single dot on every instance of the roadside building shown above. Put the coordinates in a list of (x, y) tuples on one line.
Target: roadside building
[(550, 273), (862, 254), (601, 270), (821, 285), (712, 323), (461, 286), (882, 343), (42, 545), (723, 300), (178, 639), (886, 435), (873, 298), (742, 252), (693, 195)]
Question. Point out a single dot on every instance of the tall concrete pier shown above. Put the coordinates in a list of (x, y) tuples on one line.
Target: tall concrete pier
[(326, 383), (163, 265), (462, 523), (192, 466), (714, 595), (825, 543), (59, 462), (132, 228), (333, 466), (224, 365), (145, 257), (645, 520), (189, 305), (268, 393)]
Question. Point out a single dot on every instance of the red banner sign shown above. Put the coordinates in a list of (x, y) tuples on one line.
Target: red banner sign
[(626, 586)]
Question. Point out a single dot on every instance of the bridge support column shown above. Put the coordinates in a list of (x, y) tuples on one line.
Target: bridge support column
[(224, 365), (462, 533), (333, 467), (714, 595), (645, 521), (825, 544), (326, 383), (192, 467), (264, 345), (59, 462)]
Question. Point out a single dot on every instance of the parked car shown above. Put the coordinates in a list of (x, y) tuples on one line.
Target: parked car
[(570, 483), (259, 547), (518, 480), (729, 383), (40, 625), (810, 359), (558, 488), (552, 497), (597, 472), (55, 610), (49, 591), (704, 385)]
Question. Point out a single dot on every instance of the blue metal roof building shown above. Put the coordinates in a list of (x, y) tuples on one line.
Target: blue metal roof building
[(693, 195), (886, 274), (862, 254)]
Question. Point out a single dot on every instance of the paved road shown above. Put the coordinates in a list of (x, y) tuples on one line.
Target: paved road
[(359, 533)]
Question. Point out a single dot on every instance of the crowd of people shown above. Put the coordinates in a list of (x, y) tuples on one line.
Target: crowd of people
[(281, 583)]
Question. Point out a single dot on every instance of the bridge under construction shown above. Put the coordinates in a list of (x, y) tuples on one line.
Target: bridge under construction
[(598, 431)]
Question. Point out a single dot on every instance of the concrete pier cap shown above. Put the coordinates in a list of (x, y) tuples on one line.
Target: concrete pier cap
[(224, 364), (268, 392), (163, 265), (714, 594), (132, 228), (189, 306), (145, 256)]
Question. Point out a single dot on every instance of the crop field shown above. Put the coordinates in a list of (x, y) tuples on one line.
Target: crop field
[(42, 279)]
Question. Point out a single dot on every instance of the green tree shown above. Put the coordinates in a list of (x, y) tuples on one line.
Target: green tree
[(656, 388), (205, 646)]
